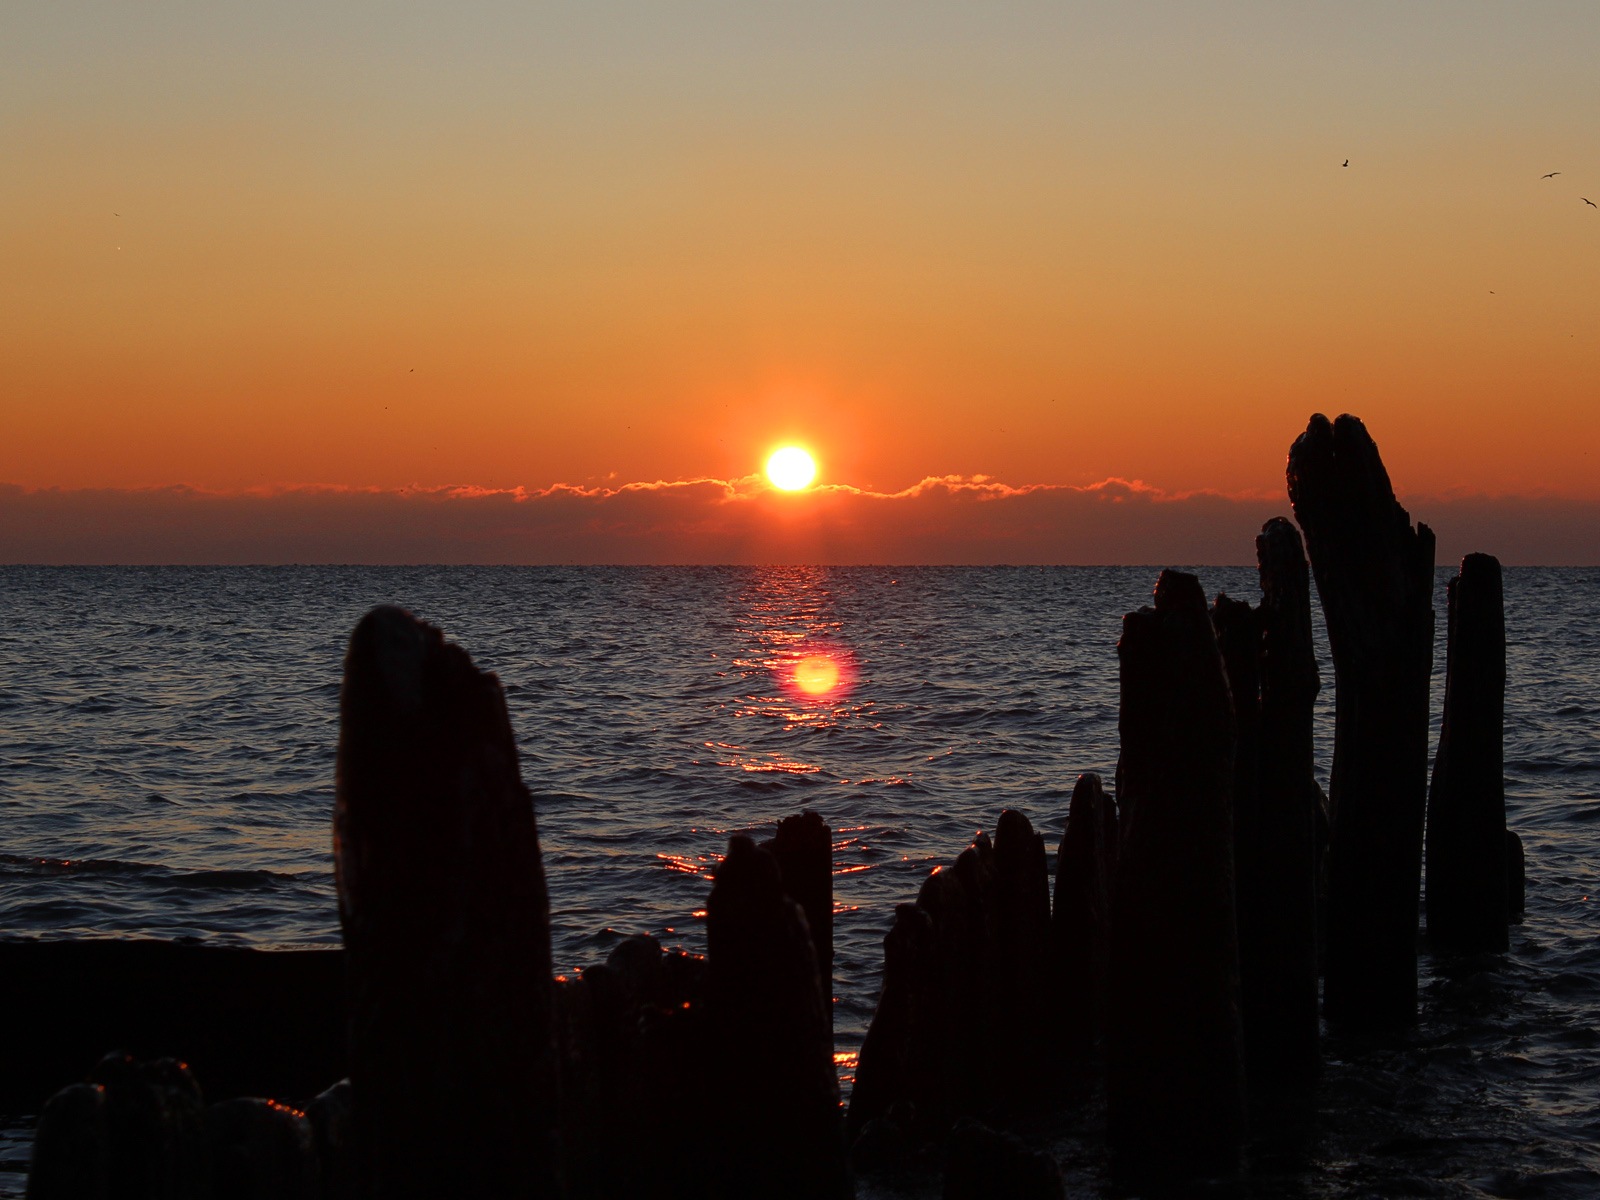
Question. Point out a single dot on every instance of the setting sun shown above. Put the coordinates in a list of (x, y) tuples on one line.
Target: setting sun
[(791, 468)]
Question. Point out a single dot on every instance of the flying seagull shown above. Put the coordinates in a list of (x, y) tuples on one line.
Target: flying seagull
[(1552, 175), (1589, 202), (1346, 163)]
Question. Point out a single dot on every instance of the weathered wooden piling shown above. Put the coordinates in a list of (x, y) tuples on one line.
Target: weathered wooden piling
[(261, 1150), (803, 848), (1275, 832), (329, 1114), (632, 1046), (72, 1146), (135, 1129), (901, 1055), (446, 927), (1174, 1060), (1023, 1025), (1374, 573), (775, 1106), (1081, 920), (1467, 858), (953, 898)]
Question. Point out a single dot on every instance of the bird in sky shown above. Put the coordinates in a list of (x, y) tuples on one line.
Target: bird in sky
[(1589, 202), (1346, 163), (1552, 175)]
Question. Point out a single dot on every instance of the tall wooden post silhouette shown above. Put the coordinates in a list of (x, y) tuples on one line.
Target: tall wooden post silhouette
[(1467, 904), (1276, 837), (446, 925), (1374, 572), (1174, 1061)]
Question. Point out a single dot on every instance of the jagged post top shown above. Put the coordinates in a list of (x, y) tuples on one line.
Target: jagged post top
[(399, 673), (427, 760), (1280, 553), (1340, 448), (747, 874), (1286, 608), (1361, 540), (1178, 595)]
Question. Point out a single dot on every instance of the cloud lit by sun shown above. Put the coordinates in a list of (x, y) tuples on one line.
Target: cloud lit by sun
[(790, 469)]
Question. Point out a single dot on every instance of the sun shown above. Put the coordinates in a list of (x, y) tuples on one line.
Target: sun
[(791, 468)]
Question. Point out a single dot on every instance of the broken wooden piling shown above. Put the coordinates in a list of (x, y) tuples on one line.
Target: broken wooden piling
[(1174, 1059), (446, 925), (1374, 573), (1467, 854)]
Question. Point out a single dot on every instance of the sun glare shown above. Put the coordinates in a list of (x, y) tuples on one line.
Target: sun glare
[(816, 675), (791, 469)]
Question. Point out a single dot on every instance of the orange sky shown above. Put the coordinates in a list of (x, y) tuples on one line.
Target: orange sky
[(600, 245)]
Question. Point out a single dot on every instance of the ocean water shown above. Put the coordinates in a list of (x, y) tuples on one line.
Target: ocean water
[(167, 740)]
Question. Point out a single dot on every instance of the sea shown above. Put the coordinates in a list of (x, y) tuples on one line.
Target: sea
[(167, 743)]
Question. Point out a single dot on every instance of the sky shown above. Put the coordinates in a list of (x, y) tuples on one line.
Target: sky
[(310, 282)]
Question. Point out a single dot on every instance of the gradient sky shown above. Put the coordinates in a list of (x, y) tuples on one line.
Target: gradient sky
[(494, 245)]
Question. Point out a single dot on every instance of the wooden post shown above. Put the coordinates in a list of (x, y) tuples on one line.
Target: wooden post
[(446, 925), (1018, 908), (1374, 573), (804, 850), (901, 1055), (1276, 836), (775, 1108), (1174, 1060), (1467, 859), (1082, 920)]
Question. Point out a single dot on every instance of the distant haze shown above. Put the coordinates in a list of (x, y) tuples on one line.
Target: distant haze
[(368, 247), (939, 521)]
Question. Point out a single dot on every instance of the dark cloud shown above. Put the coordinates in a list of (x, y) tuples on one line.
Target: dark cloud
[(973, 520)]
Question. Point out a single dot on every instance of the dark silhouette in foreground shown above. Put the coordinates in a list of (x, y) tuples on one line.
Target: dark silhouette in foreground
[(1175, 1089), (1468, 867), (446, 923), (1374, 572), (1176, 967)]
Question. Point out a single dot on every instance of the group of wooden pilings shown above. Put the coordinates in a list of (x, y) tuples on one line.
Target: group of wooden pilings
[(1177, 960), (473, 1071), (1192, 912)]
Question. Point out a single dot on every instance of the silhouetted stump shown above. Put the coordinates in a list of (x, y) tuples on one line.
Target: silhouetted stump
[(775, 1111), (1081, 922), (957, 898), (632, 1048), (1374, 573), (330, 1119), (966, 1021), (804, 850), (72, 1146), (1024, 1035), (1174, 1063), (136, 1130), (673, 1084), (1467, 867), (446, 929), (985, 1164), (261, 1150), (900, 1055), (1275, 822)]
